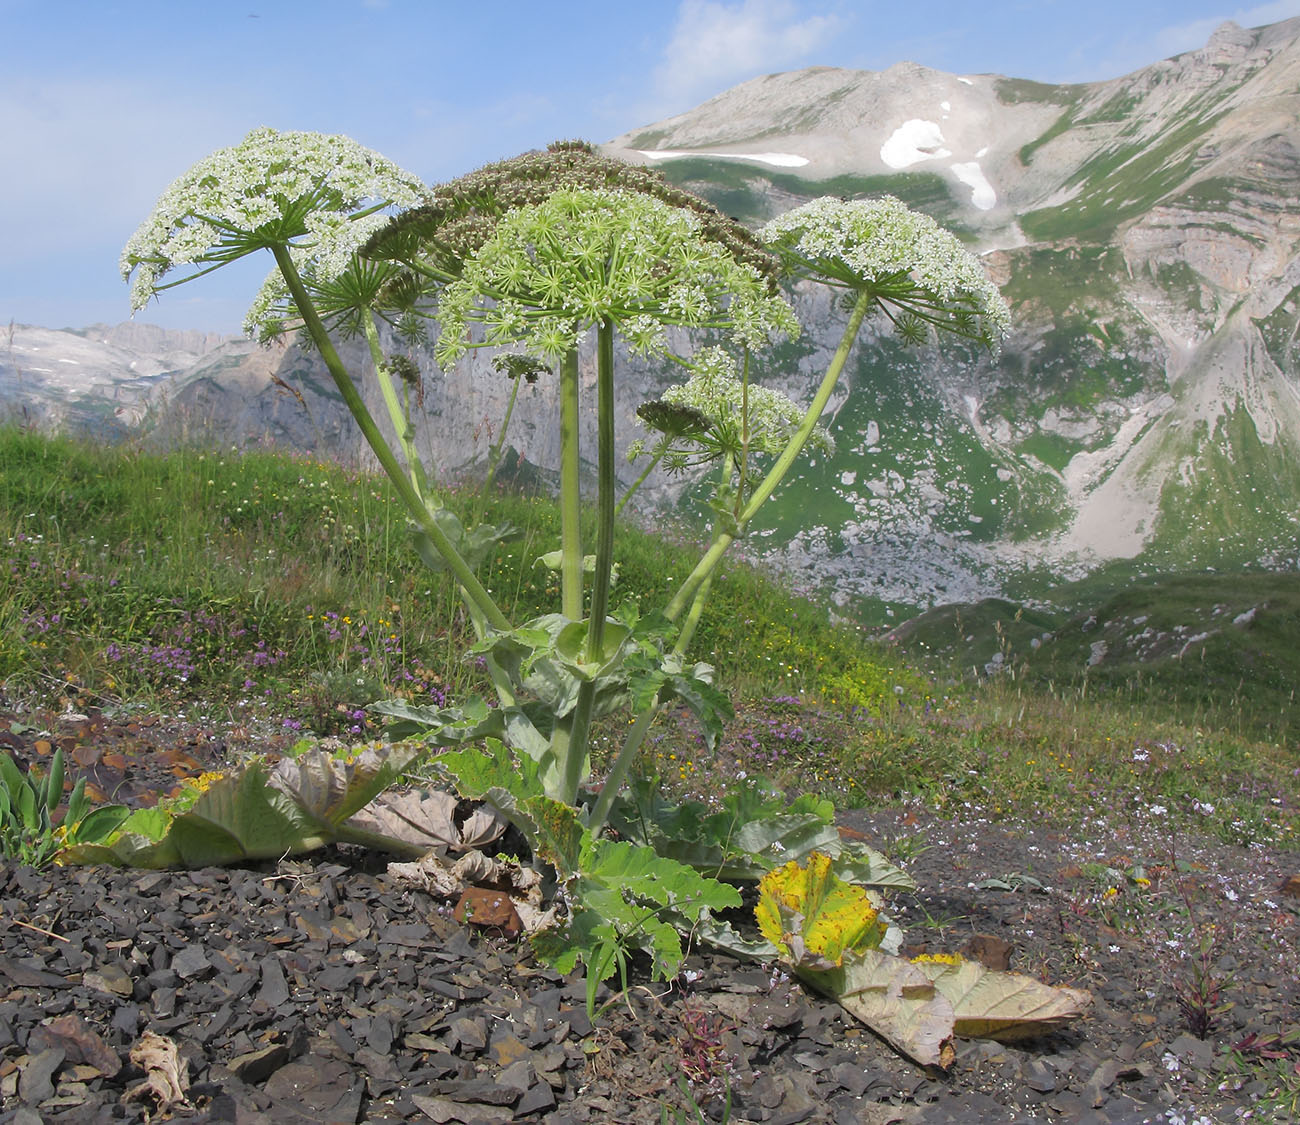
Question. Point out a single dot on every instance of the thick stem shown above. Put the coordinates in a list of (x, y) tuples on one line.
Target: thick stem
[(575, 760), (570, 495), (471, 586), (606, 484), (814, 412)]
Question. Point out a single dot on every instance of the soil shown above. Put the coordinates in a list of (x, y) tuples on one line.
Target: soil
[(323, 990)]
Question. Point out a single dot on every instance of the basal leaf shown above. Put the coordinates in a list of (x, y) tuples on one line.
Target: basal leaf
[(558, 834), (330, 791), (810, 915), (897, 1001), (1006, 1006), (439, 726)]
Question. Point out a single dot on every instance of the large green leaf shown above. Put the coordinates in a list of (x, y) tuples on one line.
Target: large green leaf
[(754, 832), (440, 726), (329, 791)]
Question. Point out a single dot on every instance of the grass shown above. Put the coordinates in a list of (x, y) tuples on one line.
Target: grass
[(259, 585)]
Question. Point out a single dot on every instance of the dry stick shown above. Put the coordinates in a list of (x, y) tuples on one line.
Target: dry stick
[(37, 929)]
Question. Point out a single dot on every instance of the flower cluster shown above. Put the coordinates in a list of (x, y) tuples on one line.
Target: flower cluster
[(583, 257), (269, 190), (753, 417), (903, 258)]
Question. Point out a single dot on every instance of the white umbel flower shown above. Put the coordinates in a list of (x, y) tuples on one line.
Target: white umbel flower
[(904, 258), (551, 270), (320, 195)]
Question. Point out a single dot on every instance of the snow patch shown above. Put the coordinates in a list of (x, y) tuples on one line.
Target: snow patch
[(945, 106), (779, 159), (966, 81), (912, 142), (982, 194)]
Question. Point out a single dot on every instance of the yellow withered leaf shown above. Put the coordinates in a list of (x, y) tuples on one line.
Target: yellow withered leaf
[(814, 918)]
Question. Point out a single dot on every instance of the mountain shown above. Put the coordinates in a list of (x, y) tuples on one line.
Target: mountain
[(1145, 408), (1147, 404)]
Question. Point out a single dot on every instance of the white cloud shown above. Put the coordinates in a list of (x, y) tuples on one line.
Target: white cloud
[(716, 44), (1176, 39)]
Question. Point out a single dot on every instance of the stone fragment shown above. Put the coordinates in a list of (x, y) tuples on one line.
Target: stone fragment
[(36, 1076), (255, 1067), (1040, 1077), (990, 951), (28, 976), (329, 1088), (191, 963), (444, 1110), (110, 978), (275, 989), (80, 1043), (537, 1098)]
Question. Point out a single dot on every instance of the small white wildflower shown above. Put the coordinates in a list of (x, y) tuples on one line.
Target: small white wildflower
[(1158, 810), (1140, 755), (1171, 1064), (1230, 894), (1113, 948), (1269, 903)]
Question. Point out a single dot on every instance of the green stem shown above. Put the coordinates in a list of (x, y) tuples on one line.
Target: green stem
[(778, 471), (570, 495), (575, 760), (606, 484), (494, 454), (399, 416), (471, 586), (622, 766), (814, 412), (650, 468)]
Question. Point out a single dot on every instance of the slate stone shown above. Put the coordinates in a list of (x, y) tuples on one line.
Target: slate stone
[(191, 963), (110, 978), (36, 1075)]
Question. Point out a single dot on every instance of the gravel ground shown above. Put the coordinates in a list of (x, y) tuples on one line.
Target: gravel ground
[(324, 990)]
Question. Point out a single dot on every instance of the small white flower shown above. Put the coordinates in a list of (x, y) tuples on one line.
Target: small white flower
[(1172, 1065), (1158, 810), (1140, 755), (1113, 948)]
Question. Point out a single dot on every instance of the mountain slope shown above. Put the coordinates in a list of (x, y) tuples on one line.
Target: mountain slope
[(1148, 401)]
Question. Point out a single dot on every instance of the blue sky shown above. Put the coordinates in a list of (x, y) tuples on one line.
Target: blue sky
[(104, 104)]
